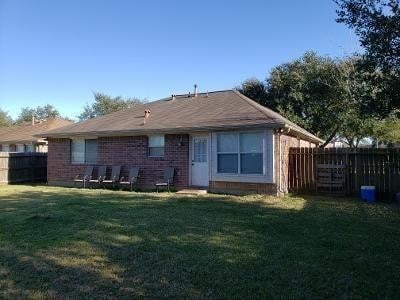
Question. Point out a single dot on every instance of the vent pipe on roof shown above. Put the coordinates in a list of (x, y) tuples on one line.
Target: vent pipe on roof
[(195, 90), (146, 115)]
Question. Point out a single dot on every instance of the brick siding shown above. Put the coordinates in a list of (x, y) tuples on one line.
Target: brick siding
[(126, 152), (287, 142), (132, 151), (240, 188)]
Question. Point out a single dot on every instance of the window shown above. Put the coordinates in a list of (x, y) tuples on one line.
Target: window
[(199, 149), (240, 153), (84, 151), (5, 148), (90, 151), (251, 153), (227, 149), (20, 148), (29, 147), (156, 145)]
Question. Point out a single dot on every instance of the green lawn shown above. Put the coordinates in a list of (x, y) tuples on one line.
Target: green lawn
[(57, 242)]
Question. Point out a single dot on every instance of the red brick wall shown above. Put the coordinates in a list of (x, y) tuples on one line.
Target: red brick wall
[(124, 151), (242, 188), (287, 142)]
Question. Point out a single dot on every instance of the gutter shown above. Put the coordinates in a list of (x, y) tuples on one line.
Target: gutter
[(305, 136), (181, 130), (178, 130), (21, 141)]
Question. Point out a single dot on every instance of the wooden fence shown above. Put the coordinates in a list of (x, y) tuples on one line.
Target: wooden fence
[(23, 167), (377, 167)]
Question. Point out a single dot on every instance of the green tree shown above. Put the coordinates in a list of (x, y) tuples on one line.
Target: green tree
[(366, 99), (328, 97), (387, 131), (105, 104), (314, 92), (5, 119), (377, 24), (257, 91), (40, 113), (355, 128)]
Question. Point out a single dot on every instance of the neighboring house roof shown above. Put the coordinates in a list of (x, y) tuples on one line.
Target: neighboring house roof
[(220, 110), (27, 133)]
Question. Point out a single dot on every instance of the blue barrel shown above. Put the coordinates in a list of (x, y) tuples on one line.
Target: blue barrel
[(368, 193)]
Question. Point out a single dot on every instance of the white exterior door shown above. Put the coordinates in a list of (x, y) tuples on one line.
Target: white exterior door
[(200, 161)]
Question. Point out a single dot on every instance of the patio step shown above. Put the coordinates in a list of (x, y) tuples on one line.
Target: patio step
[(192, 192)]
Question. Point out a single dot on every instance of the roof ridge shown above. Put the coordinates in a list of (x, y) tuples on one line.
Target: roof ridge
[(203, 93)]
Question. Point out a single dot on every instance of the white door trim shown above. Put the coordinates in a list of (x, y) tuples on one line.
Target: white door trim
[(203, 168)]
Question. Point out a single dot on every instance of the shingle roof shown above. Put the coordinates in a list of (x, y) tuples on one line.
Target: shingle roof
[(207, 111), (26, 132)]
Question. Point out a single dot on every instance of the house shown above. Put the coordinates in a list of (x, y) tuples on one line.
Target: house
[(221, 140), (337, 143), (25, 137)]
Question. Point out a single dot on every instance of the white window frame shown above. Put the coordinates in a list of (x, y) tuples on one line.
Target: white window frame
[(20, 148), (82, 161), (149, 144), (5, 148), (239, 152), (29, 148), (268, 160), (243, 152)]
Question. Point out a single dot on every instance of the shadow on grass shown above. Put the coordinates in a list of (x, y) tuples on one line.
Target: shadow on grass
[(57, 242)]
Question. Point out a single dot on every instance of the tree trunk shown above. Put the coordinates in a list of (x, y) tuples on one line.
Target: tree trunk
[(329, 139)]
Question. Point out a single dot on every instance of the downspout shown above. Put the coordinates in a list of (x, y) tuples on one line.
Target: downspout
[(280, 162), (280, 132), (280, 191)]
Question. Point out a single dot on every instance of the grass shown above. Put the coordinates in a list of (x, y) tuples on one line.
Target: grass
[(72, 243)]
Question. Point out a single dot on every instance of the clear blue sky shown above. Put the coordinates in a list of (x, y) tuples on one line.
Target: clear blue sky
[(59, 52)]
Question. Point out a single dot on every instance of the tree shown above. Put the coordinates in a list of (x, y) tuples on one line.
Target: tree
[(377, 24), (355, 128), (105, 104), (330, 98), (40, 113), (257, 91), (367, 101), (5, 119), (387, 131), (314, 92)]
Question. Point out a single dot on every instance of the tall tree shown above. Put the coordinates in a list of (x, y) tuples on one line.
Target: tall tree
[(377, 24), (39, 112), (330, 98), (312, 92), (105, 104), (366, 98), (387, 131), (5, 119), (257, 91)]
